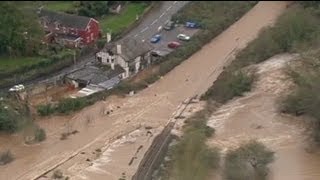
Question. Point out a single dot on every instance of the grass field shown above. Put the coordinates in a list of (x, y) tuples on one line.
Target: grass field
[(117, 23), (11, 64), (61, 6)]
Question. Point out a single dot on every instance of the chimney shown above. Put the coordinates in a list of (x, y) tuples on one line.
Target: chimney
[(108, 37), (119, 49), (112, 66)]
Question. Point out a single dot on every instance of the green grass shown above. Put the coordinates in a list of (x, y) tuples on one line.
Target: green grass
[(61, 6), (13, 70), (11, 64), (117, 23)]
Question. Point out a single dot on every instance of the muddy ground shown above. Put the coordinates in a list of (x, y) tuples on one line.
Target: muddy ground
[(150, 107)]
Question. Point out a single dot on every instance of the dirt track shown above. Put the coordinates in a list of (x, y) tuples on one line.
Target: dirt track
[(152, 107)]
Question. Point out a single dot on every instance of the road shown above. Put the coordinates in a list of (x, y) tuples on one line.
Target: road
[(144, 30), (151, 107), (157, 18)]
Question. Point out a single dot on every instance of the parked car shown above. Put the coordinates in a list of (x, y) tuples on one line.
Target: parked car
[(191, 24), (169, 25), (173, 44), (156, 38), (155, 53), (183, 37), (18, 87)]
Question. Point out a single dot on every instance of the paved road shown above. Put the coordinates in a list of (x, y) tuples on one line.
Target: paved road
[(145, 30), (157, 18)]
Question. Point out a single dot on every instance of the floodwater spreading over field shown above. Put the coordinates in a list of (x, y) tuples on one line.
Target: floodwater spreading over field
[(257, 116)]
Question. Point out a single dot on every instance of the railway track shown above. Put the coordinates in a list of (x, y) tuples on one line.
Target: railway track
[(158, 148)]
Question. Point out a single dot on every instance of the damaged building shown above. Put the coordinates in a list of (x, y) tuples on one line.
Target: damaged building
[(130, 54), (94, 79)]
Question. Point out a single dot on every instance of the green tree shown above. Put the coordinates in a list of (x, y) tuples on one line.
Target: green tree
[(92, 8), (248, 162), (314, 4), (8, 119), (20, 31)]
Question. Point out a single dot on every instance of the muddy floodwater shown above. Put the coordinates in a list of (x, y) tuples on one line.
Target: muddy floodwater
[(106, 143), (256, 116)]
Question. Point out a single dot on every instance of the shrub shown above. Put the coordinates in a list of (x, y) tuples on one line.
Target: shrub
[(151, 79), (6, 157), (229, 85), (40, 135), (45, 110), (101, 43), (57, 174), (64, 136), (69, 104), (8, 120), (192, 158), (249, 161)]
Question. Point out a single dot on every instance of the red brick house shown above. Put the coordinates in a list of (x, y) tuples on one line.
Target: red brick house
[(69, 30)]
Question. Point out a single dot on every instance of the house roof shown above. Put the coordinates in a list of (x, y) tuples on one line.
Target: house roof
[(130, 48), (95, 75), (68, 37), (68, 20)]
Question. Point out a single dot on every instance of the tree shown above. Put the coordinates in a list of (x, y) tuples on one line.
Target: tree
[(20, 31), (92, 8), (314, 4), (248, 162), (8, 119)]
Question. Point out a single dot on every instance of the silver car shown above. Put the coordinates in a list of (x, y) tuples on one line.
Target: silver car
[(183, 37)]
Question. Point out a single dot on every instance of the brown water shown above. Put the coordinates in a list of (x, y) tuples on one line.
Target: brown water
[(152, 106), (256, 116)]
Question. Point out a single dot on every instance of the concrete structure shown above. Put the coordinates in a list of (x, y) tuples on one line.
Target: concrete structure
[(93, 79), (130, 54)]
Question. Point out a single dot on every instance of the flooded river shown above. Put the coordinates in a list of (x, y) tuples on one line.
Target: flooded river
[(150, 107), (256, 116)]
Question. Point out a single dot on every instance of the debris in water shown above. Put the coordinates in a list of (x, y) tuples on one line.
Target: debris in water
[(149, 132), (131, 161), (75, 132), (131, 93), (98, 150)]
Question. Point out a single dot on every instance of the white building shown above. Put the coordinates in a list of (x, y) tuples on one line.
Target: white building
[(130, 54)]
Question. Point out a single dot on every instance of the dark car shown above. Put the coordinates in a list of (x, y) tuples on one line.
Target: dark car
[(191, 24), (156, 38), (173, 45), (169, 25)]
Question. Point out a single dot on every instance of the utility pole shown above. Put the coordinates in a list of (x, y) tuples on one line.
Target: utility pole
[(74, 57)]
